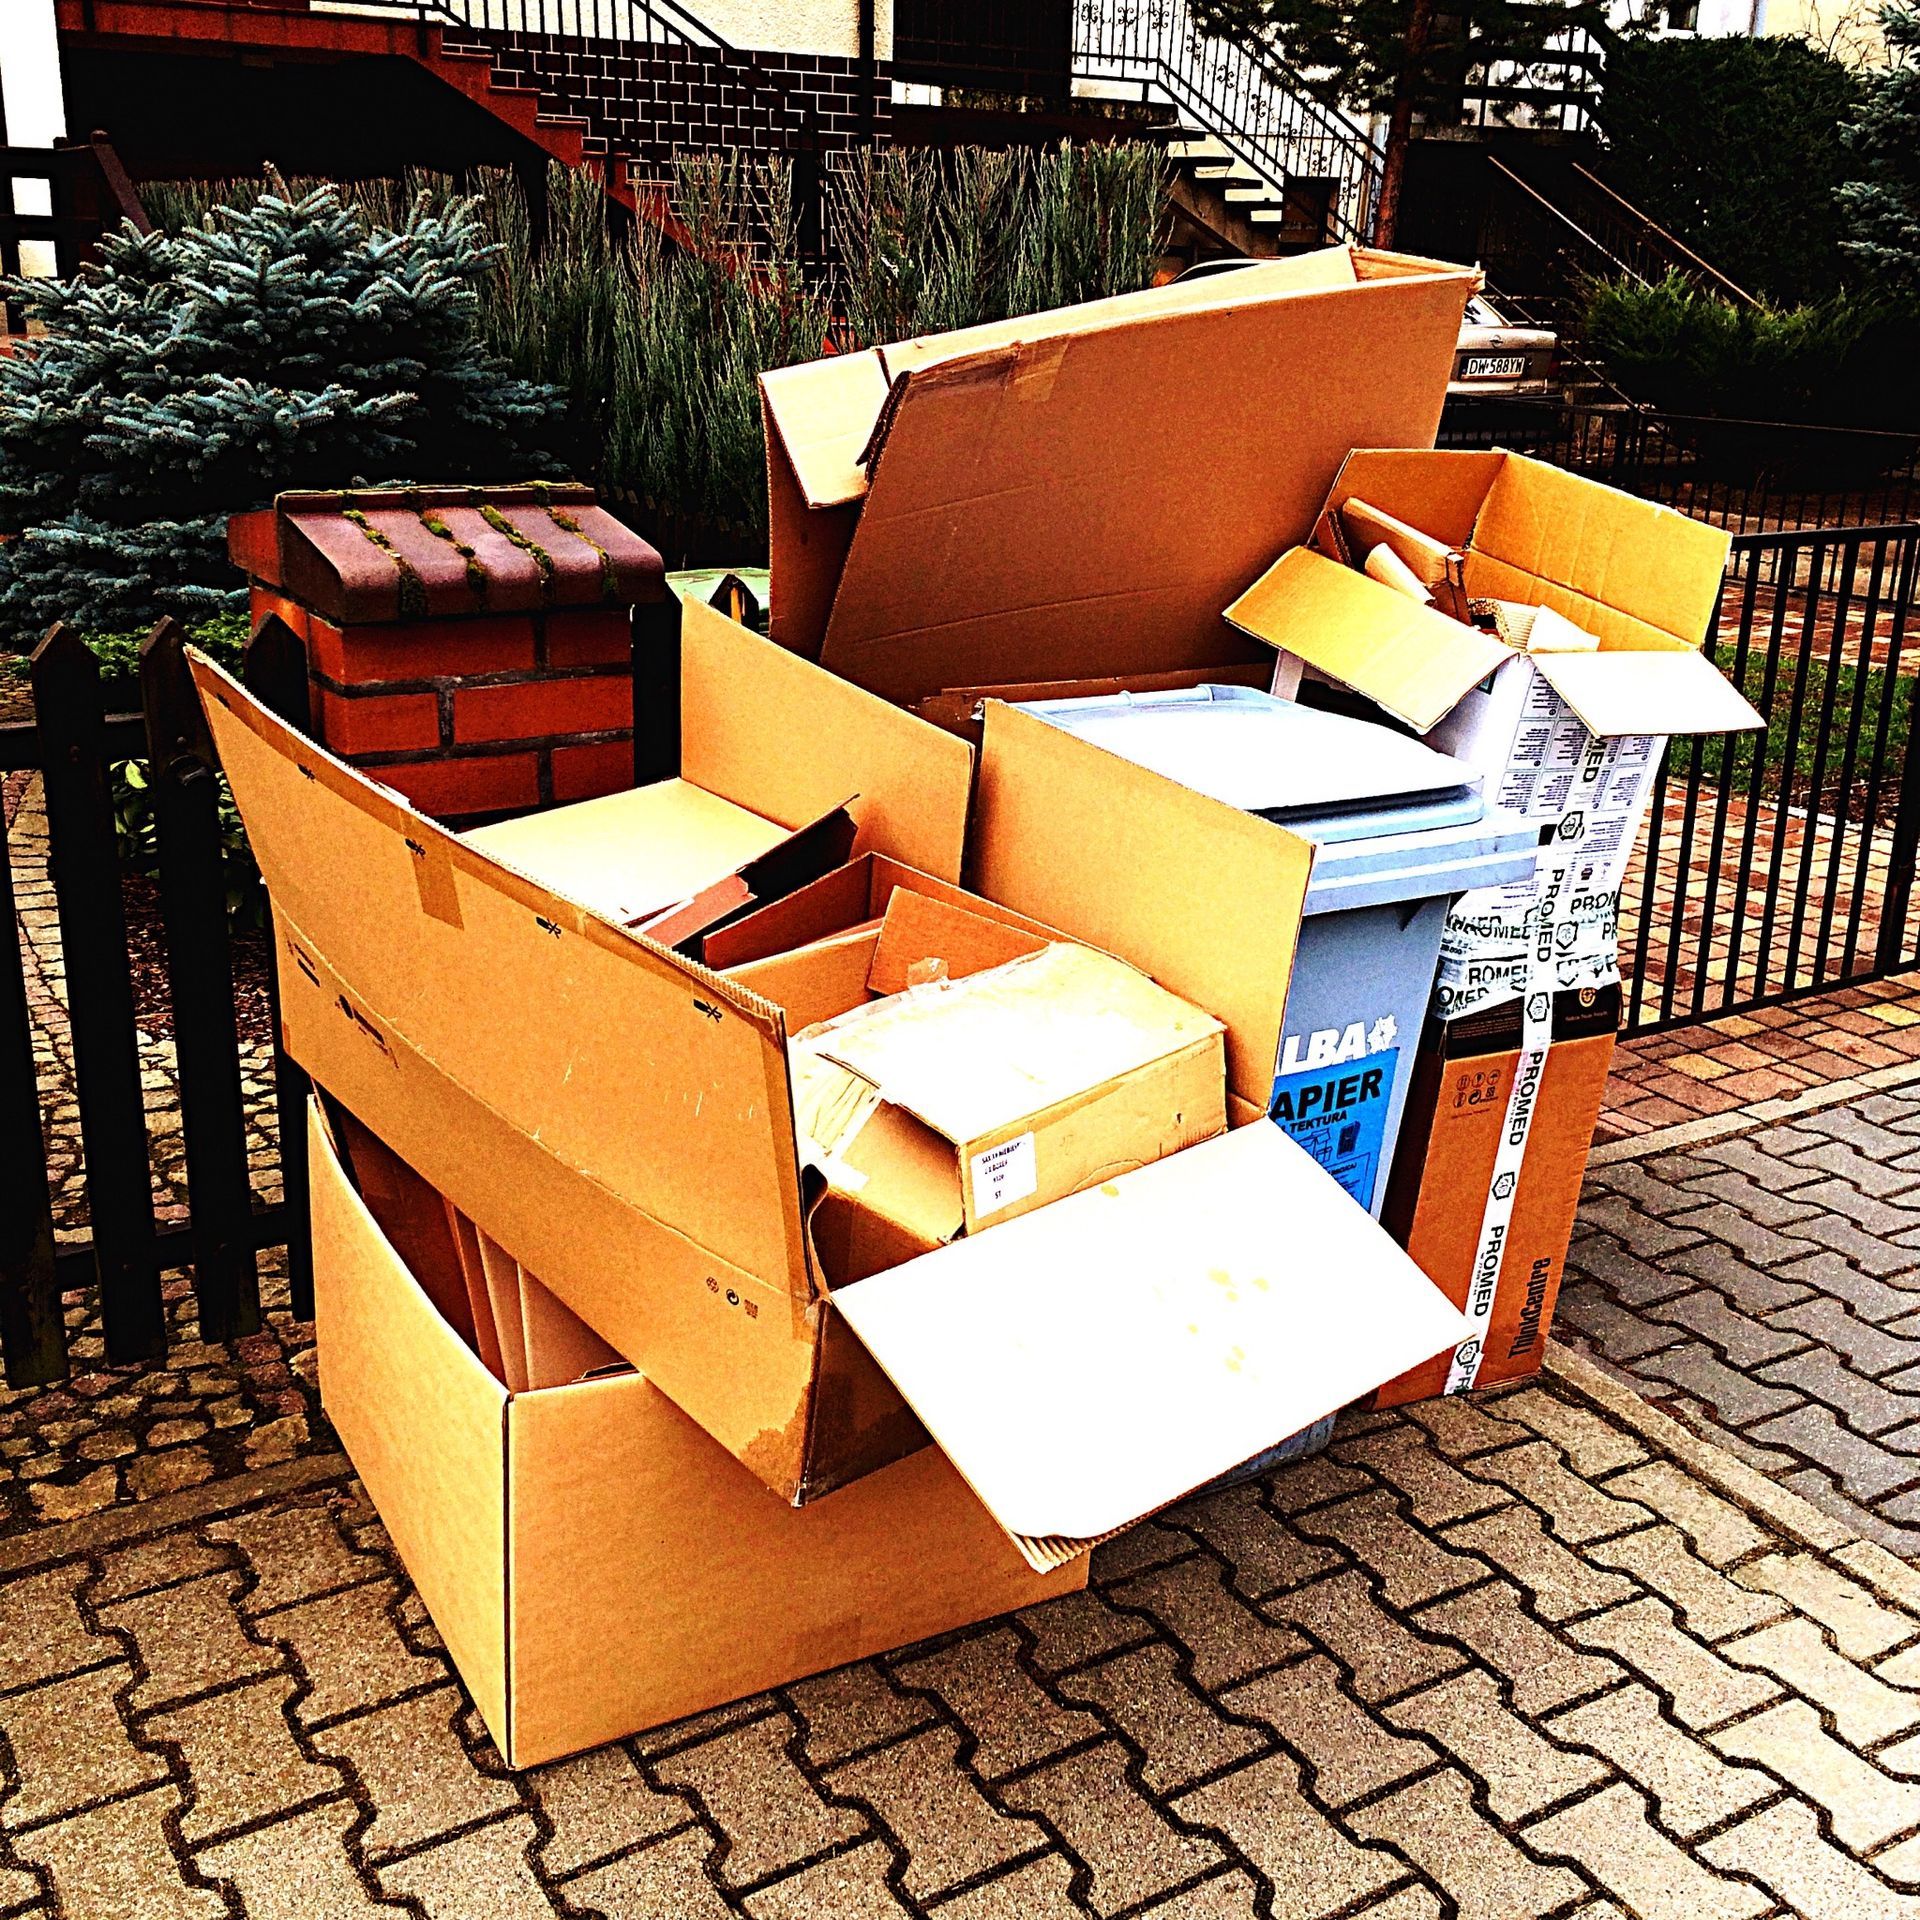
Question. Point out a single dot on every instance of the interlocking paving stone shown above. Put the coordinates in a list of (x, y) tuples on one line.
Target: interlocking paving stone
[(1379, 1653), (1560, 1582), (114, 1861), (1521, 1771), (1701, 1689), (1783, 1848), (1314, 1868), (1693, 1788), (952, 1832), (482, 1871), (1710, 1604), (69, 1748), (1436, 1825), (1865, 1805), (1131, 1846), (239, 1749), (410, 1762), (1542, 1670), (1610, 1835), (1352, 1753), (1862, 1625), (1179, 1730), (748, 1783), (1507, 1655), (1264, 1553)]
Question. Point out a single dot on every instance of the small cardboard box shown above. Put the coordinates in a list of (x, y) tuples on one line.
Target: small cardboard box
[(1017, 1071), (1076, 494), (1449, 1139), (594, 1563), (619, 1118), (1605, 601)]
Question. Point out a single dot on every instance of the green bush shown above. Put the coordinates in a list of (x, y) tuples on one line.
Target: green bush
[(1845, 361), (1734, 143), (284, 342), (659, 347)]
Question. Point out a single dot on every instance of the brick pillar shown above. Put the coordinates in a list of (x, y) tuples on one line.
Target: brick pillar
[(469, 646)]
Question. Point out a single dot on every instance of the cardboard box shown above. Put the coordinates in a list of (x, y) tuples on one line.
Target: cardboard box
[(619, 1118), (1449, 1140), (974, 1072), (1605, 601), (1076, 494), (594, 1563)]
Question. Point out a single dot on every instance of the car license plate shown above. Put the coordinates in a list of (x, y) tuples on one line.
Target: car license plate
[(1496, 366)]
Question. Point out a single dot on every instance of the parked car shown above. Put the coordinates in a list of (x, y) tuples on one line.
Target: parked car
[(1496, 358)]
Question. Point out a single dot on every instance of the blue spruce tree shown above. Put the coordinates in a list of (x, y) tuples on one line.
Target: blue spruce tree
[(186, 376)]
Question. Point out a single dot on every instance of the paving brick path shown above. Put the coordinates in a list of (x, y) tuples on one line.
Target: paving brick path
[(1848, 1043), (1765, 1286), (1521, 1657)]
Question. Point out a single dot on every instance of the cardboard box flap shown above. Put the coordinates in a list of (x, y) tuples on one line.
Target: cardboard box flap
[(973, 1056), (1089, 1363), (823, 413), (1655, 692), (644, 1074), (745, 703), (1058, 505), (1412, 661), (922, 939), (1203, 898), (630, 855)]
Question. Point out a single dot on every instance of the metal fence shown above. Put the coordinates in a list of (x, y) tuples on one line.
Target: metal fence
[(1779, 864), (73, 742), (1749, 476)]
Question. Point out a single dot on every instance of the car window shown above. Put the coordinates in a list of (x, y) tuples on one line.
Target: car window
[(1479, 314)]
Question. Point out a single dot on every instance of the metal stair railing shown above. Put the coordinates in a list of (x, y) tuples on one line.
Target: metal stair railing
[(614, 23), (1258, 108)]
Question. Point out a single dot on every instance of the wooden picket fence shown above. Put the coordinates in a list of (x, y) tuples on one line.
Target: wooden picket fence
[(74, 741)]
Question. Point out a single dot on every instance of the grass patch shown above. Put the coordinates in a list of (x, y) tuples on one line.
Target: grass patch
[(1788, 758)]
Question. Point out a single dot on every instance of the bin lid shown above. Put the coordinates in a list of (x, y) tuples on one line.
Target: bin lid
[(1392, 818)]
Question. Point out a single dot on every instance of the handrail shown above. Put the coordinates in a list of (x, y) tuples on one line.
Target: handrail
[(1670, 241), (615, 22), (1245, 97), (1566, 219)]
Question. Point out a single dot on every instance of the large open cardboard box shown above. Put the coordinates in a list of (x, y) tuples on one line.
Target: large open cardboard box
[(594, 1563), (619, 1118), (1077, 494)]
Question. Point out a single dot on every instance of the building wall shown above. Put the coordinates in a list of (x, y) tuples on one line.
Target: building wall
[(33, 103)]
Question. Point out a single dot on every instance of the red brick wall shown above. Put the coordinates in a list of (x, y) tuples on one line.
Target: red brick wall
[(482, 714)]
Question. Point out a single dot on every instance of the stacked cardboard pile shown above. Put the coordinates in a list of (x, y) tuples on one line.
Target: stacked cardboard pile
[(740, 1245)]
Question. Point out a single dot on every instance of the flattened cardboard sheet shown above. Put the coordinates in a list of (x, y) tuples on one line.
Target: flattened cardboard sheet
[(1091, 1362), (1621, 693), (631, 855), (1413, 661), (1079, 493)]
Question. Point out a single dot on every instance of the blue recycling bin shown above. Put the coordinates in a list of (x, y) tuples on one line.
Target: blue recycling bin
[(1400, 832)]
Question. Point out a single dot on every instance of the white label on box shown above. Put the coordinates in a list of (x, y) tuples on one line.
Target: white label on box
[(1004, 1174)]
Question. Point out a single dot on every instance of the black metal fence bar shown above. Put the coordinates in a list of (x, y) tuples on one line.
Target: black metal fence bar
[(1779, 864), (33, 1338), (85, 864), (183, 779)]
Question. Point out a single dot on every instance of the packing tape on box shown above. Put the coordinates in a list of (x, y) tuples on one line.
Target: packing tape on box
[(1555, 873)]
